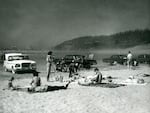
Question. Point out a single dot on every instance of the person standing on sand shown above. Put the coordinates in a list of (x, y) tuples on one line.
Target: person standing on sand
[(72, 69), (129, 59), (49, 60)]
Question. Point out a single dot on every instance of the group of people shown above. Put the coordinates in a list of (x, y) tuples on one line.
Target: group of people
[(36, 80), (35, 85), (73, 66)]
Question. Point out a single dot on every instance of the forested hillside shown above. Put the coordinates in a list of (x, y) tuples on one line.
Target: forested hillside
[(119, 40)]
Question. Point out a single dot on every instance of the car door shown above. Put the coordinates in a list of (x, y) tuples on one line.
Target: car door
[(141, 58)]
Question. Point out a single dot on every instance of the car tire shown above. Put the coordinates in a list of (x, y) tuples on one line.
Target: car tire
[(13, 71)]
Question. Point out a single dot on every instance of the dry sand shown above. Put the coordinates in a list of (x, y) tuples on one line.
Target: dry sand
[(81, 99)]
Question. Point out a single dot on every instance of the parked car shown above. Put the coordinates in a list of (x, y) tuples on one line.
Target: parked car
[(80, 60), (77, 58), (121, 59), (144, 58), (16, 62)]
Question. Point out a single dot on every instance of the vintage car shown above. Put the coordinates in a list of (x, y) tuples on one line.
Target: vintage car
[(80, 60), (144, 58), (120, 59), (17, 62)]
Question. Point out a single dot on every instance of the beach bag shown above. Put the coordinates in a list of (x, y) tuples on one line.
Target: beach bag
[(59, 78)]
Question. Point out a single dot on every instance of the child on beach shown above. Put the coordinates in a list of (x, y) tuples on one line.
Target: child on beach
[(10, 83)]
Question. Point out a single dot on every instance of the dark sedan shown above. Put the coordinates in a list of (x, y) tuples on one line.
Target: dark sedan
[(120, 59), (80, 60), (144, 58)]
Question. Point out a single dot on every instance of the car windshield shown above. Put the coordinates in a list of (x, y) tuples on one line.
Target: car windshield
[(122, 56), (18, 57), (114, 56), (74, 57)]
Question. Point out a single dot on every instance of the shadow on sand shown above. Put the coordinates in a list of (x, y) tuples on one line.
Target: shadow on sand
[(106, 85)]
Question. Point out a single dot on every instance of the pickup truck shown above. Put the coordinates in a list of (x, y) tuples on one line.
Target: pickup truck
[(62, 64), (16, 62)]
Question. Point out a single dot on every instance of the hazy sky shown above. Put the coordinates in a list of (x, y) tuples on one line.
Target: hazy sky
[(45, 23)]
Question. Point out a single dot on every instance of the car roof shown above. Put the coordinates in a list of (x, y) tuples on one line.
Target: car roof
[(144, 54), (74, 55), (11, 54), (118, 55)]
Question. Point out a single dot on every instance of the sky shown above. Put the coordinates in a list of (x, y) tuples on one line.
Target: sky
[(46, 23)]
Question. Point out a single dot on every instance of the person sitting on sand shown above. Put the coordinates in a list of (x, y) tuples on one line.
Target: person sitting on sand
[(36, 85), (36, 80), (10, 84), (95, 79)]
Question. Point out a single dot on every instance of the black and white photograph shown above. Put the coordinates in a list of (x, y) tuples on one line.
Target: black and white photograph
[(74, 56)]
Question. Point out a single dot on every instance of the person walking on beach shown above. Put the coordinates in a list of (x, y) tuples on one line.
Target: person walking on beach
[(49, 60), (129, 59)]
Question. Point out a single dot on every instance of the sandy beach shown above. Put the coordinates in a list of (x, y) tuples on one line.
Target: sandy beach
[(93, 43), (79, 99)]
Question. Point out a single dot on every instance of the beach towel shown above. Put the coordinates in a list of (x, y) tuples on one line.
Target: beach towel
[(104, 85), (107, 85), (131, 82)]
